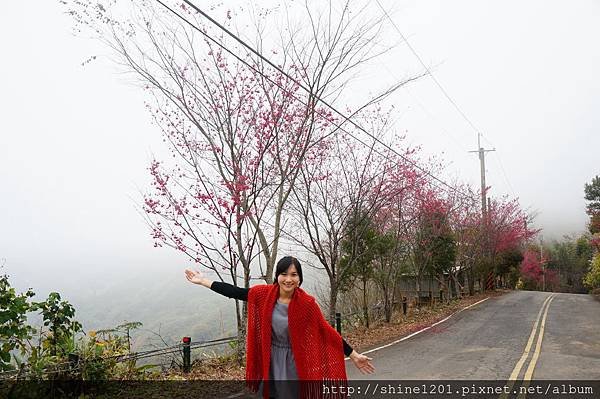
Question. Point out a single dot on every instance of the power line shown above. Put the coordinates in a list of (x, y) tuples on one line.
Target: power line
[(346, 118), (430, 115), (427, 69), (427, 112), (509, 186), (444, 91), (504, 175)]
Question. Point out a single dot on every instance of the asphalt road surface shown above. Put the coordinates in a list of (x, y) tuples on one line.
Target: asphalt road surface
[(519, 335)]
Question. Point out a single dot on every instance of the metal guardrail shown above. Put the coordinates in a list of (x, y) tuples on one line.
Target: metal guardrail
[(76, 363)]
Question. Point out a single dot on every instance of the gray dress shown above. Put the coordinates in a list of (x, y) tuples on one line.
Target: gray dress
[(283, 365)]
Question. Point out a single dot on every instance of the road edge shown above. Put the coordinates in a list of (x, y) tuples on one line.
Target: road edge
[(423, 329)]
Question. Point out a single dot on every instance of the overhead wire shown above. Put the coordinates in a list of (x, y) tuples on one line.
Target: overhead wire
[(427, 112), (460, 111), (433, 118), (439, 85), (499, 160), (342, 115)]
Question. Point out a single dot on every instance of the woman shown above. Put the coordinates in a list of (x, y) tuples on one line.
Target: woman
[(288, 337)]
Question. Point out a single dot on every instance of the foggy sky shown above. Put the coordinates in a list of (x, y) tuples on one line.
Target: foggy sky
[(76, 140)]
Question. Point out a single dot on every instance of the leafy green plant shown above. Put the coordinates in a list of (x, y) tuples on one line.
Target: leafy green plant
[(14, 332), (58, 316), (101, 352), (61, 350), (592, 278)]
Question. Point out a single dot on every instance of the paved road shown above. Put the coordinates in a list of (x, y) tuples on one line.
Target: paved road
[(548, 336)]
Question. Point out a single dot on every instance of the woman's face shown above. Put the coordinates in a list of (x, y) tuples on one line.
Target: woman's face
[(289, 279)]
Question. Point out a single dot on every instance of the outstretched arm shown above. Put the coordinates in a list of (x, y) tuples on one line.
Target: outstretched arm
[(225, 289), (194, 276), (362, 362), (230, 291), (347, 348)]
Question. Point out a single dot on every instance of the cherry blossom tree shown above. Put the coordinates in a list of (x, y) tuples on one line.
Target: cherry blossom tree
[(349, 181), (239, 128), (395, 220), (531, 268), (435, 245), (506, 229), (466, 222)]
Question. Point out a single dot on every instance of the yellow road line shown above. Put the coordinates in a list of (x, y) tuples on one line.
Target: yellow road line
[(517, 370), (515, 373), (538, 346)]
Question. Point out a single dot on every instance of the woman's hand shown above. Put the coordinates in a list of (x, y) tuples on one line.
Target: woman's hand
[(194, 276), (362, 362)]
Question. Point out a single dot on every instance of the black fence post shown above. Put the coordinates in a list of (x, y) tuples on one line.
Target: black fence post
[(441, 295), (186, 354), (73, 361), (404, 305), (338, 322), (430, 298)]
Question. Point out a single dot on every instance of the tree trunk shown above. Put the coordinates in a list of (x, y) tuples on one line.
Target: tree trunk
[(387, 305), (443, 287), (241, 331), (457, 287), (365, 304), (393, 299), (471, 281), (332, 301)]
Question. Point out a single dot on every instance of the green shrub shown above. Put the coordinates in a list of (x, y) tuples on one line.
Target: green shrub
[(592, 278), (14, 332)]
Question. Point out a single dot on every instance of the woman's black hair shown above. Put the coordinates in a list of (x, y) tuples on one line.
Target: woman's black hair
[(284, 264)]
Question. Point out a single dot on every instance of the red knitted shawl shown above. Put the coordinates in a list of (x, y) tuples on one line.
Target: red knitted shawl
[(317, 347)]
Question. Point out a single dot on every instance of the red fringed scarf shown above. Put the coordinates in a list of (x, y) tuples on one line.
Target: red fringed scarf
[(317, 347)]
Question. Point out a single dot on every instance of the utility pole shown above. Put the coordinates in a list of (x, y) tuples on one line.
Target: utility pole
[(484, 204), (482, 152), (543, 263)]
